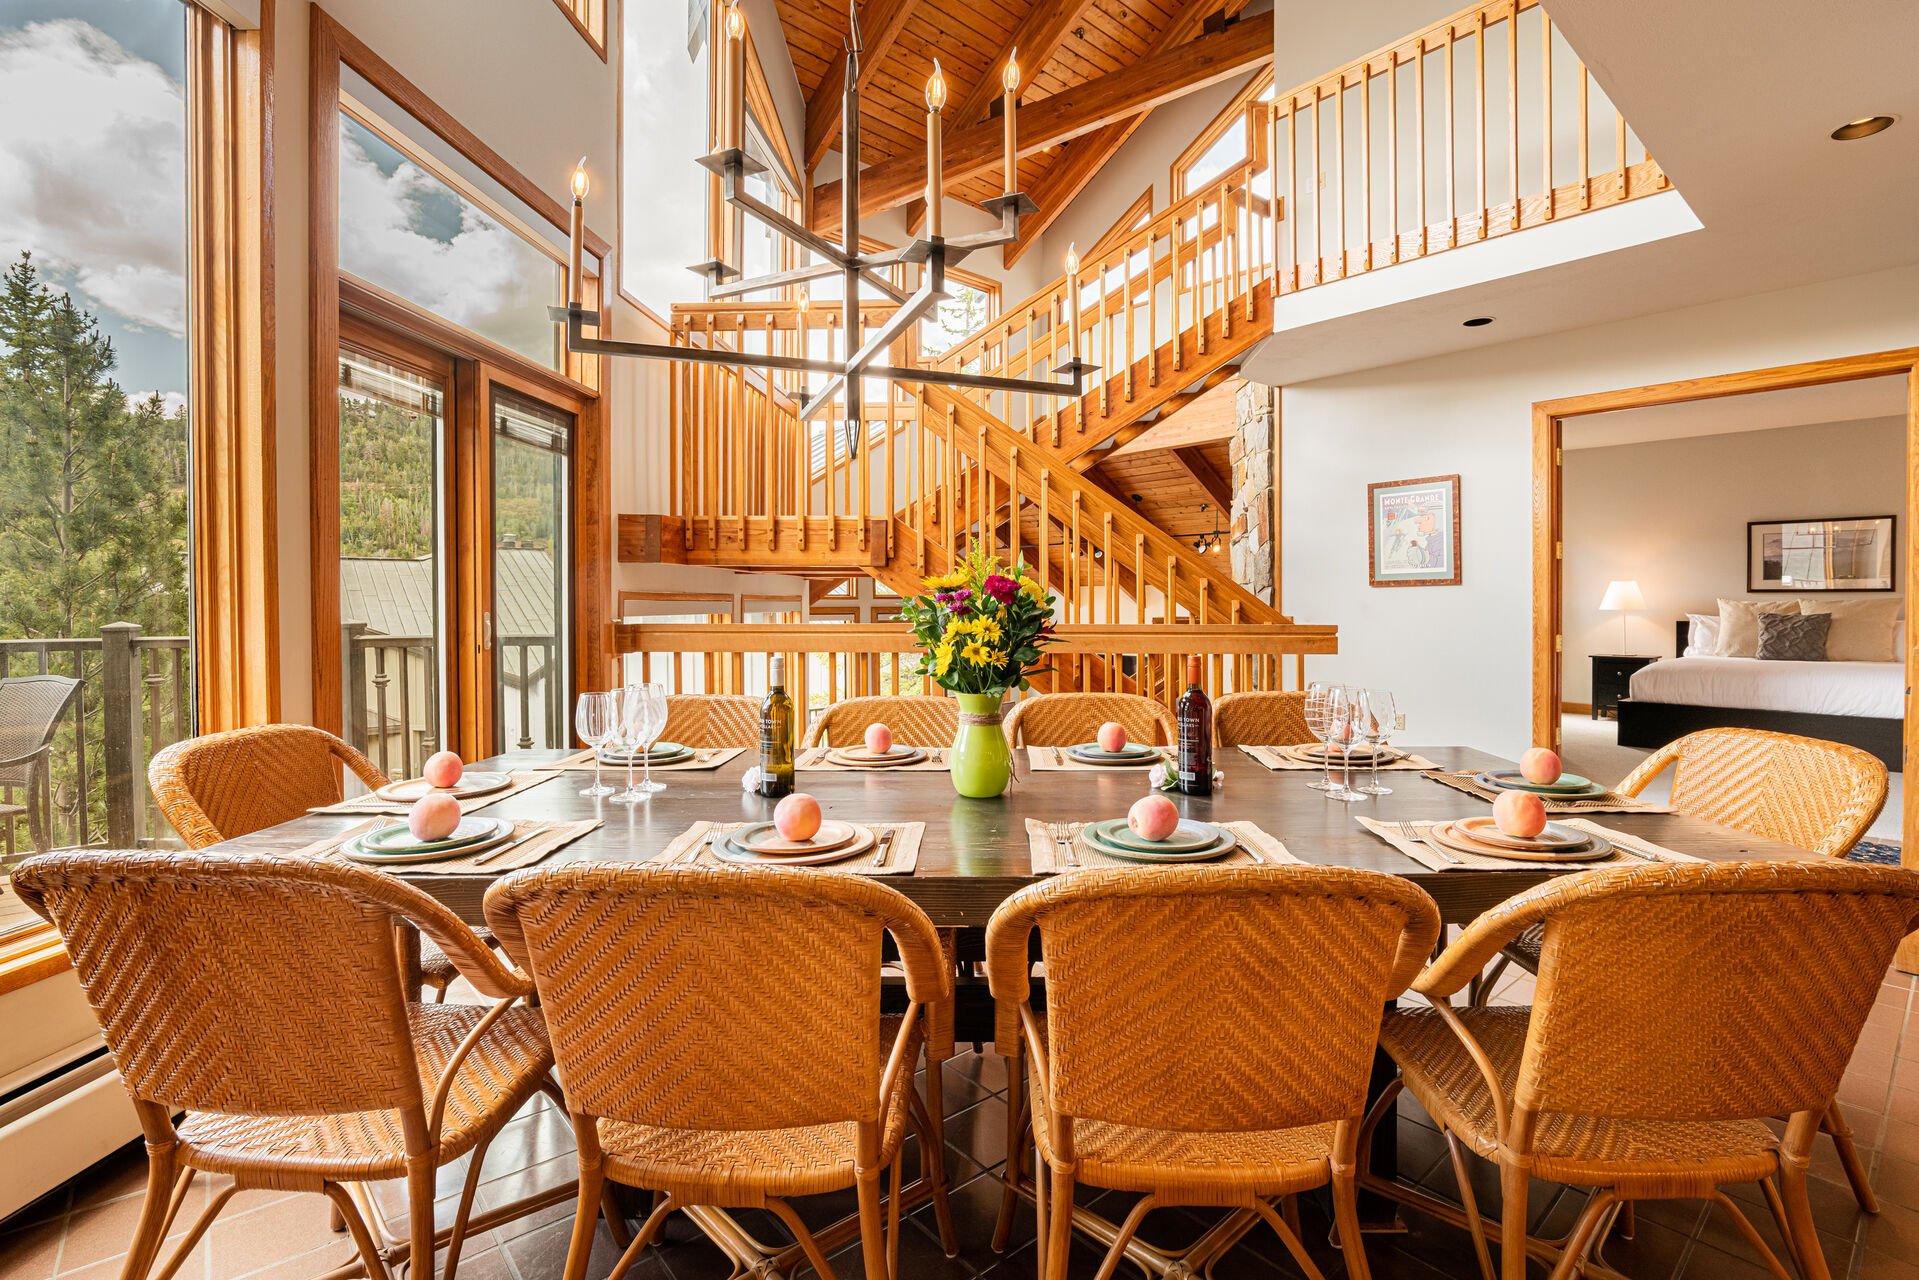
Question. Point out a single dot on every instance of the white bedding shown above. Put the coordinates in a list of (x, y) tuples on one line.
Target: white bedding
[(1876, 689)]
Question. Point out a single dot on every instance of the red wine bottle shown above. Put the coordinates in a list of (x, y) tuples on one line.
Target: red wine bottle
[(1195, 714)]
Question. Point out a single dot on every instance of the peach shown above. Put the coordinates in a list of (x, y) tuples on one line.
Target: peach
[(879, 739), (797, 817), (1520, 814), (442, 769), (1153, 817), (433, 817), (1541, 766), (1112, 736)]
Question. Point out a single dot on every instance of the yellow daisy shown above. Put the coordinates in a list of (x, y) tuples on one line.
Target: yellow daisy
[(977, 654), (943, 657), (1033, 589), (947, 581)]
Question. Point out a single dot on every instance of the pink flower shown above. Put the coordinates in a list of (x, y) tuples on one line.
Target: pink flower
[(1000, 587)]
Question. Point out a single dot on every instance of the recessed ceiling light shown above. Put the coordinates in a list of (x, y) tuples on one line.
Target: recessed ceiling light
[(1477, 322), (1864, 127)]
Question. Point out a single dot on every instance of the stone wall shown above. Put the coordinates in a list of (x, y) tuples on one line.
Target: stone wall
[(1252, 453)]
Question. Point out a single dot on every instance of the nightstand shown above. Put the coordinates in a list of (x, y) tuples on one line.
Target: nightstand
[(1612, 679)]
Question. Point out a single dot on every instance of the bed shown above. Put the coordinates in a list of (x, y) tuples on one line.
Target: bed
[(1860, 703)]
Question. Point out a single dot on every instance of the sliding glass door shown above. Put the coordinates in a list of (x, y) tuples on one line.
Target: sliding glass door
[(531, 448)]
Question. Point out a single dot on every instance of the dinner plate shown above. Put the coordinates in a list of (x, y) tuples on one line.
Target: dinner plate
[(1227, 844), (1130, 756), (1130, 749), (1555, 835), (728, 848), (1317, 753), (474, 782), (1443, 833), (892, 759), (399, 839), (1189, 836), (764, 838), (355, 851), (662, 753), (1569, 784)]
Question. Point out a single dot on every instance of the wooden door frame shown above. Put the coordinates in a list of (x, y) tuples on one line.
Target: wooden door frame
[(1548, 529)]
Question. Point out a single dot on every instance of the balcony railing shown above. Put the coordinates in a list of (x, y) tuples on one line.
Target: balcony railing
[(393, 696)]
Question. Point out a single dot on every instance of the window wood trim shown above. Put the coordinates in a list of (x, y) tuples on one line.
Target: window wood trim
[(1234, 112), (1124, 225), (589, 19)]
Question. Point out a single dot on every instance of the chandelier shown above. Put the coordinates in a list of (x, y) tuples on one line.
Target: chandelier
[(935, 252)]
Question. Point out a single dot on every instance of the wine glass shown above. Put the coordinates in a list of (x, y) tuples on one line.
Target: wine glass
[(632, 723), (653, 708), (1317, 713), (1376, 722), (1342, 729), (596, 720)]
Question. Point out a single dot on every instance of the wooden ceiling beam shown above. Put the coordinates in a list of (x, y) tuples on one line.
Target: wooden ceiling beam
[(1093, 107), (1196, 464), (881, 22), (1036, 37)]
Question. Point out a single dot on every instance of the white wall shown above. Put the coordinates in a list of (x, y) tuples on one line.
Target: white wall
[(1641, 511), (1460, 657)]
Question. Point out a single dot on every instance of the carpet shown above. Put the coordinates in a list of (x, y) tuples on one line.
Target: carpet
[(1880, 853)]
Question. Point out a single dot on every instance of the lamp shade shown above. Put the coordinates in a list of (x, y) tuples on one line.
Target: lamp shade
[(1623, 594)]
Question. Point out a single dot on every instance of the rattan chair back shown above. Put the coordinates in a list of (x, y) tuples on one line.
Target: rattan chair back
[(1211, 999), (1695, 991), (30, 710), (1065, 719), (713, 719), (917, 720), (1808, 792), (247, 984), (1269, 718), (224, 785), (756, 992)]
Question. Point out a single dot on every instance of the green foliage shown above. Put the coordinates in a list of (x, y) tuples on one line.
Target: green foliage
[(982, 627)]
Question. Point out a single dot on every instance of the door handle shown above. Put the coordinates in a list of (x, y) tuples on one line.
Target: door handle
[(486, 632)]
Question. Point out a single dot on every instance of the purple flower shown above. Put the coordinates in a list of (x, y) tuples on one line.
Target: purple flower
[(1001, 587), (954, 599)]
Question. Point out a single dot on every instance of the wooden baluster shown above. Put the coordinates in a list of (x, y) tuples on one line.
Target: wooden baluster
[(864, 439), (1546, 108), (1014, 535), (1585, 126), (1512, 112), (1139, 578), (676, 435), (951, 487), (1479, 112), (1452, 150), (1226, 284), (1619, 135), (1152, 315), (918, 472), (1339, 170), (1392, 153), (1200, 307), (983, 521), (1126, 302), (742, 471), (1319, 194), (1045, 527), (1109, 580), (1366, 163)]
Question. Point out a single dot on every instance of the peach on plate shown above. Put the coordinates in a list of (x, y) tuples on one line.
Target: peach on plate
[(1112, 736), (797, 817), (1520, 814), (1540, 766), (433, 817), (442, 769), (1153, 817), (879, 739)]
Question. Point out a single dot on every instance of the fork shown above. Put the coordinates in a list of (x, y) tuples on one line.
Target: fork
[(1063, 837), (1406, 833)]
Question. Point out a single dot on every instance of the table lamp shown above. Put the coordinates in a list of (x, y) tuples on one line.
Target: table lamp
[(1622, 597)]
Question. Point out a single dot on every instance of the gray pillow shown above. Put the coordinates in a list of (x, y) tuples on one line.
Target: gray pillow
[(1785, 637)]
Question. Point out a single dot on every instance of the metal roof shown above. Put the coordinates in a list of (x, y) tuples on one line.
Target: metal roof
[(395, 597)]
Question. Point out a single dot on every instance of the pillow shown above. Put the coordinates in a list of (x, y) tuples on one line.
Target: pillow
[(1793, 637), (1702, 635), (1739, 625), (1862, 630)]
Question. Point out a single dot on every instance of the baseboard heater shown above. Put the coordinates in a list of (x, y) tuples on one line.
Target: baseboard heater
[(58, 1116)]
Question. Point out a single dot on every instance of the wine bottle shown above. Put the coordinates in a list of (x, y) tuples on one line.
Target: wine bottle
[(1195, 715), (776, 735)]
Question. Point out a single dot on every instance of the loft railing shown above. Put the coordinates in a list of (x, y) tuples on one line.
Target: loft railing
[(1478, 126)]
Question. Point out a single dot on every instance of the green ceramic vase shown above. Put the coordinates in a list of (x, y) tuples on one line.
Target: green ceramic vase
[(982, 763)]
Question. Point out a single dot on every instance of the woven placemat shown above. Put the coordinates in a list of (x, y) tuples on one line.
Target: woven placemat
[(369, 803), (705, 758), (1410, 839), (1256, 848), (531, 841), (691, 848), (1610, 802), (1274, 758), (820, 760), (1059, 760)]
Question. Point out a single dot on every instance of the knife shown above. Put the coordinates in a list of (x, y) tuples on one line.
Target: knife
[(886, 847)]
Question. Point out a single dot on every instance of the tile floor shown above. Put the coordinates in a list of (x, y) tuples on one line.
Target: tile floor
[(82, 1229)]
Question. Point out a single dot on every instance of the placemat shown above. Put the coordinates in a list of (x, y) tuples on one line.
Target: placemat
[(531, 841), (1272, 759), (1056, 760), (1611, 802), (371, 803), (1256, 848), (1645, 849), (1409, 839), (705, 758), (817, 760), (690, 848)]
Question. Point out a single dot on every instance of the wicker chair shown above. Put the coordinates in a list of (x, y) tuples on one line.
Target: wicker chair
[(1175, 1077), (225, 785), (1653, 1080), (30, 711), (1065, 719), (745, 1088), (1820, 796), (713, 719), (917, 720), (1266, 719), (257, 994)]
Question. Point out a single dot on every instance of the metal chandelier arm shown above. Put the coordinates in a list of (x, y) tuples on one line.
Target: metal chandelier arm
[(909, 312)]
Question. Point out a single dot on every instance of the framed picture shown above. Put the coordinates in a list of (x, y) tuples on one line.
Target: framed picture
[(1852, 553), (1413, 529)]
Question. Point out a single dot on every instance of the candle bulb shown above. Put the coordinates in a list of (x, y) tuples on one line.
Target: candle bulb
[(1009, 80), (1072, 302), (935, 149), (735, 85), (576, 245)]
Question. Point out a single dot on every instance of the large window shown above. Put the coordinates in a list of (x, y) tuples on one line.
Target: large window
[(94, 611), (663, 126)]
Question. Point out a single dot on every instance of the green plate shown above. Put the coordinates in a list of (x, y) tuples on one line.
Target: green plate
[(1129, 750), (397, 839), (1569, 784), (1188, 837), (1204, 854), (662, 753)]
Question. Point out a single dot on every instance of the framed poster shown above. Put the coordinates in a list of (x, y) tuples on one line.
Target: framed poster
[(1413, 528), (1853, 553)]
